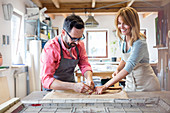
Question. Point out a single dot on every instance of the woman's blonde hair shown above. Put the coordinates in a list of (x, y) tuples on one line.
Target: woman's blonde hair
[(131, 18)]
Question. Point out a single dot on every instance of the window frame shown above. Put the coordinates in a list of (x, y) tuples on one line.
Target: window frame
[(15, 47), (87, 48)]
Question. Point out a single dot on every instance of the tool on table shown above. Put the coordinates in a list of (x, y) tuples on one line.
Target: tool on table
[(115, 88), (90, 91)]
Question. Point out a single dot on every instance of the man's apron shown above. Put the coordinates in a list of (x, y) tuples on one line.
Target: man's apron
[(65, 71), (142, 77)]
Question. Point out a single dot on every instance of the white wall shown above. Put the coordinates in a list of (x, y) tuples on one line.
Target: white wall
[(149, 24), (5, 29), (107, 22)]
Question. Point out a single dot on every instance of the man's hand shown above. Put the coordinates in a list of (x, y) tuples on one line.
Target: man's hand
[(89, 79), (90, 84), (81, 87)]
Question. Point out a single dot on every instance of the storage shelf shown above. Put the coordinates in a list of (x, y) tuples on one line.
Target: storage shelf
[(160, 47), (163, 48), (31, 38), (31, 21), (39, 26)]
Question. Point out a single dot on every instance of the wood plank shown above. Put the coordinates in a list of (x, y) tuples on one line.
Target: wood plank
[(93, 3), (70, 94), (56, 3), (82, 7), (7, 105), (4, 90), (84, 1), (38, 3), (130, 3), (165, 2), (65, 15), (147, 4), (52, 16), (46, 1), (147, 14)]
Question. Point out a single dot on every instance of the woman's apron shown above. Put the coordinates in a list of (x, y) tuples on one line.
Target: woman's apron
[(142, 77), (65, 71)]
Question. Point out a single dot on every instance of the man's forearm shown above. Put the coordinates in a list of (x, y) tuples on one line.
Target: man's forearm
[(88, 75), (59, 85), (77, 87)]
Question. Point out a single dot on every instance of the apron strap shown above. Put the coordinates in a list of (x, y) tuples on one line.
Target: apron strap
[(77, 52), (61, 51), (122, 47)]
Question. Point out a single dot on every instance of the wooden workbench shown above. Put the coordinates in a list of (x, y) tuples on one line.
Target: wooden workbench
[(165, 95), (145, 102)]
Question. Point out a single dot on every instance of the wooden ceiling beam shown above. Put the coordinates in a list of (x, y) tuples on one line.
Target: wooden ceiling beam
[(100, 10), (38, 3), (147, 14), (164, 2), (56, 3), (74, 6), (65, 15), (93, 3), (146, 4), (82, 7), (130, 3)]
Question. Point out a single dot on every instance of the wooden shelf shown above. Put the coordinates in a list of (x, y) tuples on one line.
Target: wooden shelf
[(163, 48), (160, 47)]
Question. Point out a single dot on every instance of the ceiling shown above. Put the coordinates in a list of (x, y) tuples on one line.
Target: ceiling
[(55, 7)]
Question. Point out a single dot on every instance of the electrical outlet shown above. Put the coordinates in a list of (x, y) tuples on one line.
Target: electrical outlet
[(3, 39)]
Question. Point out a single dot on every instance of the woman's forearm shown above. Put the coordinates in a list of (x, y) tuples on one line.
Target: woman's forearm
[(121, 65), (122, 74)]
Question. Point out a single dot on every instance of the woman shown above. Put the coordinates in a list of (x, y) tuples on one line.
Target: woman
[(135, 57)]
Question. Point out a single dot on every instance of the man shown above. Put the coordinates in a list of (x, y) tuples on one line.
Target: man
[(61, 55)]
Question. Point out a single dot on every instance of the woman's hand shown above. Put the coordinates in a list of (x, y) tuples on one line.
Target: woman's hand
[(115, 73), (100, 89)]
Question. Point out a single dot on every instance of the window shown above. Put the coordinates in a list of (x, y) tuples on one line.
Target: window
[(96, 43), (15, 34)]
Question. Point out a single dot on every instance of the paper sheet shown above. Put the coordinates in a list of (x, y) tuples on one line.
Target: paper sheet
[(70, 94), (35, 50)]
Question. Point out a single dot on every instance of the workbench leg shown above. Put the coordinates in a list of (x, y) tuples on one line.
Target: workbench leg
[(78, 78)]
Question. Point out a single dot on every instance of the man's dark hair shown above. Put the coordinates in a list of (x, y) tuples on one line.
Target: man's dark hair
[(73, 21)]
